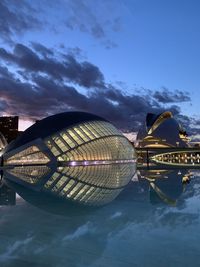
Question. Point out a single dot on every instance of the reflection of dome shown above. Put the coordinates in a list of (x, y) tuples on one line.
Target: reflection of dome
[(165, 186), (74, 155), (3, 142), (160, 131)]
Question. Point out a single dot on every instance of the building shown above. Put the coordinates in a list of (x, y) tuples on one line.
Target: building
[(162, 141), (74, 155), (161, 131), (9, 127), (184, 157)]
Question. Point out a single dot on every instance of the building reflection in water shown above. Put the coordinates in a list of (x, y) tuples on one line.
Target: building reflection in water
[(165, 185), (154, 186), (85, 160)]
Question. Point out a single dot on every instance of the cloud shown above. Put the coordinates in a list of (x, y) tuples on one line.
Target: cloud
[(191, 125), (44, 51), (39, 82), (82, 17), (15, 18), (43, 60), (165, 96), (9, 253), (117, 214), (86, 16), (45, 97), (80, 231)]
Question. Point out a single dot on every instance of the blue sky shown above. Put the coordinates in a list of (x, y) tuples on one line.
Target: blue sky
[(142, 56)]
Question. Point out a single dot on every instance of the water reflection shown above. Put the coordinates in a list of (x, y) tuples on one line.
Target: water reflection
[(7, 195), (128, 231), (155, 186), (91, 185), (165, 185), (45, 201)]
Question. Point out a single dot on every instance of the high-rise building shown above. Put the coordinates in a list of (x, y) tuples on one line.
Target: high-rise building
[(9, 127)]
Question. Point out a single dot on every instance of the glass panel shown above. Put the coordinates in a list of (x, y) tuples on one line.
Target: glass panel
[(52, 180), (53, 149), (67, 187), (61, 144), (28, 156), (29, 174)]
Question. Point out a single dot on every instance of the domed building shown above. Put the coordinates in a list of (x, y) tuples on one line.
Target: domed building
[(162, 141), (74, 155), (161, 131)]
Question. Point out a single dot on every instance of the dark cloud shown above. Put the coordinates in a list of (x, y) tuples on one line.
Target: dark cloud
[(41, 60), (165, 96), (43, 82), (191, 125), (47, 97), (35, 101), (15, 18), (4, 72), (84, 16), (42, 49), (76, 52), (19, 17)]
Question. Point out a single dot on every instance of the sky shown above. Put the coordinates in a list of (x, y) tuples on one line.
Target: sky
[(119, 59)]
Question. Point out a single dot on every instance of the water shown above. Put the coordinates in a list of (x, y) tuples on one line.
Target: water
[(154, 222)]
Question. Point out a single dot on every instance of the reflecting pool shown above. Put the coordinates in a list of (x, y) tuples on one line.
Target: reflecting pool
[(154, 221)]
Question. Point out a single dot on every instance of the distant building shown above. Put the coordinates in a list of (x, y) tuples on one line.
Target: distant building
[(162, 141), (9, 127), (161, 131)]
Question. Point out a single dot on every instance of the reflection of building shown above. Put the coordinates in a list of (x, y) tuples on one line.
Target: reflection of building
[(7, 196), (74, 155), (9, 127), (164, 185)]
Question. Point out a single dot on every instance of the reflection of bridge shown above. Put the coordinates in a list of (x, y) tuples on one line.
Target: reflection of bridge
[(171, 157)]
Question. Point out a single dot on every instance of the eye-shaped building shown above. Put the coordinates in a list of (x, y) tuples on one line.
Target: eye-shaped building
[(75, 155)]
